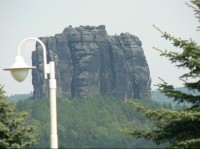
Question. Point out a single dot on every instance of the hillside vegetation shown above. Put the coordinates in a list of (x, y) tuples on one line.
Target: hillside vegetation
[(93, 122)]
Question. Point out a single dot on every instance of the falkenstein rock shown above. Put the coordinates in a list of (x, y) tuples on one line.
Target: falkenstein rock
[(90, 62)]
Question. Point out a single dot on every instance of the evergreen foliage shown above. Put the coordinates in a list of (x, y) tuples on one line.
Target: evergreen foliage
[(180, 128), (14, 131), (92, 122)]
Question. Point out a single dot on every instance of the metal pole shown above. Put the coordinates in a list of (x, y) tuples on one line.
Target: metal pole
[(53, 110), (48, 69)]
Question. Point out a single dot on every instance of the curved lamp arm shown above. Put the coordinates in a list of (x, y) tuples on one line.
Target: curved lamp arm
[(46, 68), (19, 71)]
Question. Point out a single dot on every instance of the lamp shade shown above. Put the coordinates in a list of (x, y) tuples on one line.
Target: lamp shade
[(19, 69)]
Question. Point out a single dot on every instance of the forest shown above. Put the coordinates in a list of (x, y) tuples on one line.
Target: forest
[(93, 122)]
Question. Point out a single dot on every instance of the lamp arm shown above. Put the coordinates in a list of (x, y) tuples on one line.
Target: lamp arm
[(46, 68)]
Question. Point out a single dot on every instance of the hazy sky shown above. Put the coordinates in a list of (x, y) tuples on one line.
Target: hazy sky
[(26, 18)]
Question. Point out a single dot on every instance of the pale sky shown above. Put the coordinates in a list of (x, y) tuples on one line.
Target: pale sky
[(20, 19)]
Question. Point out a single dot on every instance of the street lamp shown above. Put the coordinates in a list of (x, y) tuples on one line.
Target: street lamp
[(19, 71)]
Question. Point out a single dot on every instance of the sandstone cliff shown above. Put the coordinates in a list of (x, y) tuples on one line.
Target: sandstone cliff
[(91, 62)]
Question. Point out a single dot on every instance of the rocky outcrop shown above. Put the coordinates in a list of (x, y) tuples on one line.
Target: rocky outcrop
[(91, 62)]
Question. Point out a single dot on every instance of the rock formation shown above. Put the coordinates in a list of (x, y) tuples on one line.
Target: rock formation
[(91, 62)]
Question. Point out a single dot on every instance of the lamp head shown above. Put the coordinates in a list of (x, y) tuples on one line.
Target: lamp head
[(19, 69)]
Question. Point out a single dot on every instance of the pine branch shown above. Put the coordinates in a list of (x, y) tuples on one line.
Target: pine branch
[(162, 52), (193, 85), (186, 144), (196, 9), (179, 96)]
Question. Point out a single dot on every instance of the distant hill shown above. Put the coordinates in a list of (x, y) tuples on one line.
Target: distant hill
[(159, 97), (17, 97), (155, 95)]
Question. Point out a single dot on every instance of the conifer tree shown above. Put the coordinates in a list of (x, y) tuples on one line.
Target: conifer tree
[(178, 128), (14, 131)]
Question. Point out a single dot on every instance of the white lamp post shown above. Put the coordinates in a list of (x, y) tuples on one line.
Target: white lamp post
[(19, 71)]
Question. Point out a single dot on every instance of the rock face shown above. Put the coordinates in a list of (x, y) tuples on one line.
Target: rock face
[(89, 62)]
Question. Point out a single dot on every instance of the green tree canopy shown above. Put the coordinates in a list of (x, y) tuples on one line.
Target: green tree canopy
[(14, 131), (179, 128)]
